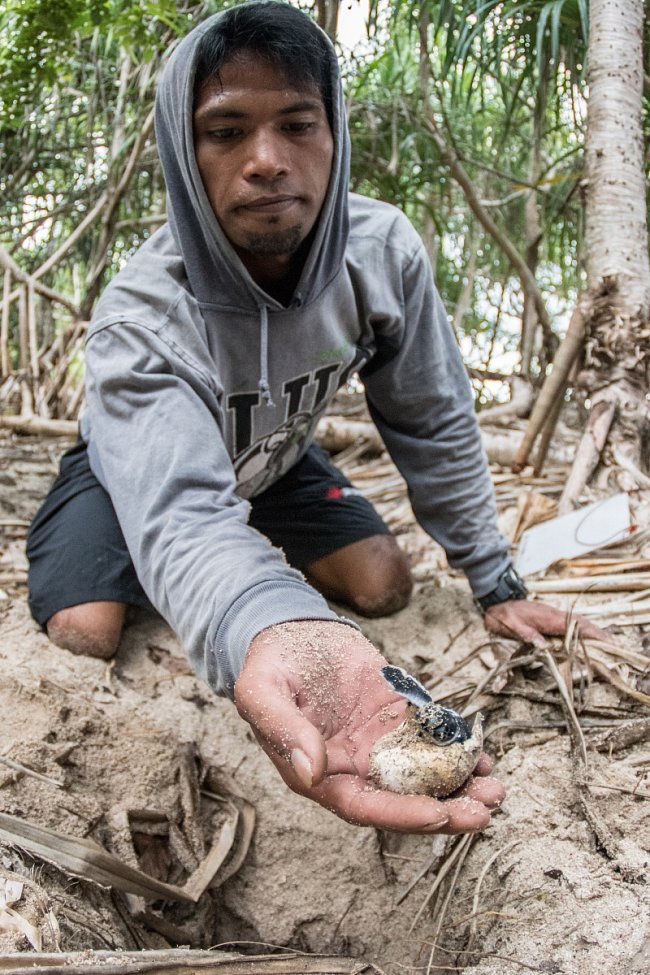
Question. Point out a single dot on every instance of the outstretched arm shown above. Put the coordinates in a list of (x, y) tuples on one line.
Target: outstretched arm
[(315, 698)]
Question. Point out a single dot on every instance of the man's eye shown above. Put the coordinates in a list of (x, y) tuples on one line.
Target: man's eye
[(221, 135), (299, 126)]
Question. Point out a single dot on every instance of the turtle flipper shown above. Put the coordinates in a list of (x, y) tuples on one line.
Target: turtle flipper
[(406, 685)]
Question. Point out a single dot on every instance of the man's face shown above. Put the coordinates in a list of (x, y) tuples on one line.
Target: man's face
[(264, 151)]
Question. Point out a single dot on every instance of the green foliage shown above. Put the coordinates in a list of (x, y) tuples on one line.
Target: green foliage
[(503, 81), (41, 37), (536, 32), (77, 81)]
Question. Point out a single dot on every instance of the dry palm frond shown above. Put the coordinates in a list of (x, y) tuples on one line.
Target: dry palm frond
[(608, 582), (579, 662), (182, 962)]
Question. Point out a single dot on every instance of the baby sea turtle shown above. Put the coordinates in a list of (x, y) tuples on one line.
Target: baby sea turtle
[(433, 752)]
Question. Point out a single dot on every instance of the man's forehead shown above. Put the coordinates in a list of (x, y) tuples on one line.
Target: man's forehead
[(248, 71)]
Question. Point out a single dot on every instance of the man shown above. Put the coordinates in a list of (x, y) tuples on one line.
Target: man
[(210, 358)]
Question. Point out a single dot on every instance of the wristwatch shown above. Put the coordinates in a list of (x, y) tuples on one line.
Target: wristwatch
[(510, 585)]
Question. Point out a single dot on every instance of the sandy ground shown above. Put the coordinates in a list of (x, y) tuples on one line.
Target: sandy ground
[(536, 892)]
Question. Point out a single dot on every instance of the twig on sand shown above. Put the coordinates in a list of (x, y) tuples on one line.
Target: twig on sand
[(458, 850), (602, 833), (477, 890), (481, 956), (445, 904), (598, 826), (575, 730), (619, 788), (623, 735), (25, 770)]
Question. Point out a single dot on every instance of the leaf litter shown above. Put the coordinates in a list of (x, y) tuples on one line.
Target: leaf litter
[(154, 770)]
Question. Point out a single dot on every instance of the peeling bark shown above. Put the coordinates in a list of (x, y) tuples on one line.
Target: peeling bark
[(617, 347)]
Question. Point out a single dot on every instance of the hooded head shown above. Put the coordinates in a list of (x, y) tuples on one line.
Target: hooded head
[(252, 137)]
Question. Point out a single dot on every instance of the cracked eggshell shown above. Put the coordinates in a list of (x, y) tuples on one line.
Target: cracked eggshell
[(402, 761)]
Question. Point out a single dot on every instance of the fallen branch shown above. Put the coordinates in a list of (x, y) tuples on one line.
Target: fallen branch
[(591, 446), (181, 961), (548, 430), (86, 859), (40, 426), (592, 583), (335, 434)]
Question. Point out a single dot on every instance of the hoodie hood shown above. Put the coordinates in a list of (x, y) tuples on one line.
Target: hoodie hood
[(214, 270)]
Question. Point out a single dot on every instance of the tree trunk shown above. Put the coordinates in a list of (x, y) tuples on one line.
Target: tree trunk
[(327, 16), (617, 343), (533, 227)]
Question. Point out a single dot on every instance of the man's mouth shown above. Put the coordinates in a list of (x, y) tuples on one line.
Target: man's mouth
[(270, 204)]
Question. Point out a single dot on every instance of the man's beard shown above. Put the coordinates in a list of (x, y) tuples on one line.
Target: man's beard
[(274, 244)]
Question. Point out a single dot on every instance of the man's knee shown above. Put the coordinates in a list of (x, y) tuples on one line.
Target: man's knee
[(384, 587), (92, 629), (372, 576)]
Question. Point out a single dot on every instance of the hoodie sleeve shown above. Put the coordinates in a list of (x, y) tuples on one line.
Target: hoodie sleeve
[(421, 401), (156, 447)]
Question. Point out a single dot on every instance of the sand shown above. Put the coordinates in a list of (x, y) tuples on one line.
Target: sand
[(535, 892)]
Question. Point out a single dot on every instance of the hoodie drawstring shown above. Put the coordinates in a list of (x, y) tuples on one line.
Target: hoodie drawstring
[(263, 384)]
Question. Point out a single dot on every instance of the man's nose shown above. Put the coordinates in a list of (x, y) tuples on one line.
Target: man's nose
[(267, 156)]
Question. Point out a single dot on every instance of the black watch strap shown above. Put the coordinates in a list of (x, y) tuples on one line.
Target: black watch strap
[(510, 585)]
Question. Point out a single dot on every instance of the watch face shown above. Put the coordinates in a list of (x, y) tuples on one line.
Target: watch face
[(515, 583)]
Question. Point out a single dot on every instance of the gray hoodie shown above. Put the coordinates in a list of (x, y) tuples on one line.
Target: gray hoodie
[(203, 390)]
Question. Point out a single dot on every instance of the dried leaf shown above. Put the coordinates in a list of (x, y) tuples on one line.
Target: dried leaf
[(13, 892), (11, 920), (87, 859)]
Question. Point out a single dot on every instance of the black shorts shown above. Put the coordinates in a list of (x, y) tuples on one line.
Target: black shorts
[(77, 553)]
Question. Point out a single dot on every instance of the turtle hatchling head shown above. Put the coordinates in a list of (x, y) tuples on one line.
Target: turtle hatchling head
[(440, 725)]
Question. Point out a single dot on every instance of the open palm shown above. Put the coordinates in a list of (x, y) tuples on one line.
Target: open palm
[(316, 700)]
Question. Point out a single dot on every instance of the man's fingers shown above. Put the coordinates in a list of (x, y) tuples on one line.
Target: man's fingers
[(283, 729), (353, 800), (530, 621), (590, 631), (348, 797), (486, 790), (510, 625), (465, 815), (484, 765)]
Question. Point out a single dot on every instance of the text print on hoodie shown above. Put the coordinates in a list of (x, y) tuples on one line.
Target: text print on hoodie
[(202, 390)]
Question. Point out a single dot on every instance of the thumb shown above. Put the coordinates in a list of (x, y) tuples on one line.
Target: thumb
[(277, 721)]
